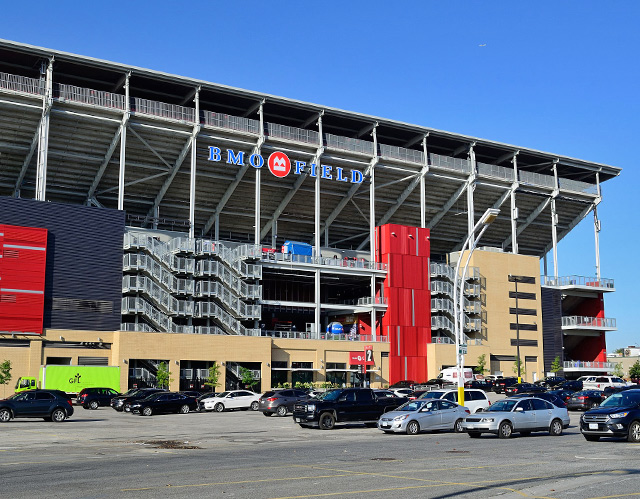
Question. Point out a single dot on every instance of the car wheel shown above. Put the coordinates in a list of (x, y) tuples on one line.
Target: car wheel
[(267, 413), (555, 429), (147, 411), (93, 405), (255, 405), (184, 409), (634, 432), (413, 428), (591, 438), (457, 427), (474, 434), (327, 421), (281, 410), (58, 416), (5, 415), (505, 430), (219, 407)]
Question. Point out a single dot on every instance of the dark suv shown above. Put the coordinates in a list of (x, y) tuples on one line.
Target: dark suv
[(92, 398), (280, 402), (618, 416), (134, 394), (52, 405)]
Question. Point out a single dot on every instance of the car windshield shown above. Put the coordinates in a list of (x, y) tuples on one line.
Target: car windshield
[(330, 395), (622, 399), (431, 395), (133, 391), (414, 405), (503, 406)]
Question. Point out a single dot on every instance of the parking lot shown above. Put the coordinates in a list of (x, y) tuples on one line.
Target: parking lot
[(244, 454)]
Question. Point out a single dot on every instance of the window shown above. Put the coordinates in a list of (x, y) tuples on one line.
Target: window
[(525, 404), (286, 393), (540, 405), (447, 405), (452, 396), (44, 396), (363, 396), (348, 397)]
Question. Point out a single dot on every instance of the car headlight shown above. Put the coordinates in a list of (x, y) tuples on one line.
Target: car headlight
[(486, 420), (618, 415), (401, 418), (311, 407)]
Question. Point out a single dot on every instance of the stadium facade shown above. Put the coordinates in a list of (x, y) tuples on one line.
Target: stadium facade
[(147, 217)]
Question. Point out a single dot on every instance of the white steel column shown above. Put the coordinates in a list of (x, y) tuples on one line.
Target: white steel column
[(43, 136), (123, 143), (471, 217), (597, 226), (514, 208), (423, 193), (274, 233), (316, 224), (554, 223), (192, 178), (372, 231), (257, 222), (216, 229)]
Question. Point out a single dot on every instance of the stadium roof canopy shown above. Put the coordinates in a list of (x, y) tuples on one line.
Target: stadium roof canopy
[(83, 162)]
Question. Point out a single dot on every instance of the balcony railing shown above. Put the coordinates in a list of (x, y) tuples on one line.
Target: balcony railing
[(230, 122), (293, 133), (349, 144), (442, 339), (581, 364), (88, 96), (163, 110), (449, 163), (577, 280), (495, 171), (402, 154), (588, 322), (21, 84), (305, 335), (352, 263), (536, 179)]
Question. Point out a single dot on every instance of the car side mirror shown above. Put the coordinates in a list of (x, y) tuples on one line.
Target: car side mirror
[(519, 409), (480, 409)]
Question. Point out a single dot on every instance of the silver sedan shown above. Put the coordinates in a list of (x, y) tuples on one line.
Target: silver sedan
[(424, 415), (521, 415)]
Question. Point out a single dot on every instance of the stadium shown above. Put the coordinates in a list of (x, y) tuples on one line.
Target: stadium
[(147, 217)]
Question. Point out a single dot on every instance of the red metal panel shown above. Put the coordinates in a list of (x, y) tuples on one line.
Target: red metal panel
[(22, 278)]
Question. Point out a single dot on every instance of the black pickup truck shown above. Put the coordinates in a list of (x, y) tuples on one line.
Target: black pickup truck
[(344, 405)]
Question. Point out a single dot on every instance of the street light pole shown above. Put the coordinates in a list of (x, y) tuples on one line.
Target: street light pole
[(489, 216)]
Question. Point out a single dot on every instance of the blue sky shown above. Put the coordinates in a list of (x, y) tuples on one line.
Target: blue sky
[(556, 76)]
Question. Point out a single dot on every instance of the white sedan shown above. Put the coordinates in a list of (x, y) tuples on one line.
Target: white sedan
[(235, 399)]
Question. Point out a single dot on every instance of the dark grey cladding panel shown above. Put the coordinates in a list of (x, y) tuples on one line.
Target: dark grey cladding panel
[(83, 287), (551, 301)]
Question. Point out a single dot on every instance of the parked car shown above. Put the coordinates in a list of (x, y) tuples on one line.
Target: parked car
[(564, 395), (474, 400), (480, 384), (280, 402), (522, 415), (602, 382), (401, 392), (501, 385), (92, 398), (386, 393), (234, 399), (424, 415), (206, 396), (584, 400), (405, 383), (618, 416), (162, 403), (52, 405), (523, 388), (574, 384), (134, 394), (551, 381)]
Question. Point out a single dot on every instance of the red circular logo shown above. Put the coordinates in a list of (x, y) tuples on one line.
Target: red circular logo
[(279, 164)]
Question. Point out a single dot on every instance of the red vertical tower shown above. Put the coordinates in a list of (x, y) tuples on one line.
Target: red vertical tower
[(23, 257), (407, 321)]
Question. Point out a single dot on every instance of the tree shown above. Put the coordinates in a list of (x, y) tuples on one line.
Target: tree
[(163, 376), (213, 378), (5, 373), (481, 365), (617, 370), (619, 351), (246, 377), (515, 367), (634, 371), (556, 365)]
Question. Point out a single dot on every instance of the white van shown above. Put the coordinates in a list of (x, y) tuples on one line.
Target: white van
[(451, 374), (473, 399)]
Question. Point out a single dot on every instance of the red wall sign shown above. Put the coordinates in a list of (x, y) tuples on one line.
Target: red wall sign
[(360, 359), (279, 164)]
